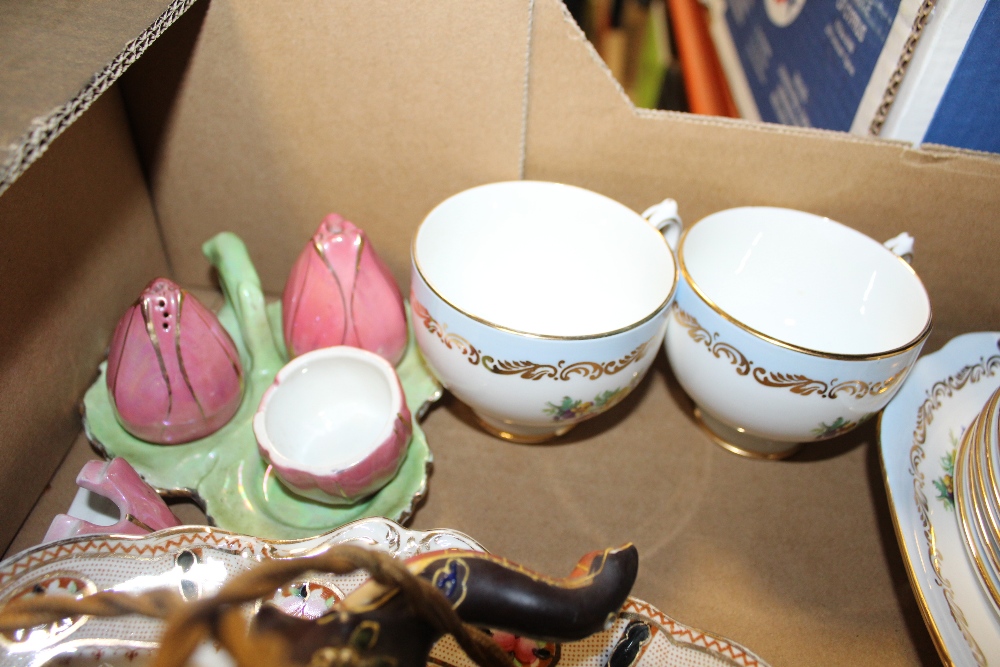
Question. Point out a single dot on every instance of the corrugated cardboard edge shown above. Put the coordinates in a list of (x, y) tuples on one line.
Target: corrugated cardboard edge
[(44, 129)]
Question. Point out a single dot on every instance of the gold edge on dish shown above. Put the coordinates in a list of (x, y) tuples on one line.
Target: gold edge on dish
[(720, 648), (937, 638), (969, 518), (917, 455), (67, 548), (989, 518), (987, 472), (938, 390), (637, 608)]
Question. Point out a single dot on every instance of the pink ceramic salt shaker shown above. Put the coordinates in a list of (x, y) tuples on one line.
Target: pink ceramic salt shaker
[(340, 292), (174, 374)]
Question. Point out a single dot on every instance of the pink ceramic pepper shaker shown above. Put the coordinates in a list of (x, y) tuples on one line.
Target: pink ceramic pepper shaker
[(174, 374), (341, 293)]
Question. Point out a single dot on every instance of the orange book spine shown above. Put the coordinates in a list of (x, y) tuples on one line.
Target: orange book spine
[(704, 82)]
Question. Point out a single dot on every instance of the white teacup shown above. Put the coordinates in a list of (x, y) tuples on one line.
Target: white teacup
[(539, 304), (789, 327)]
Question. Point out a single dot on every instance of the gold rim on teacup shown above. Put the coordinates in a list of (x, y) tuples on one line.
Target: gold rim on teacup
[(493, 325), (918, 340)]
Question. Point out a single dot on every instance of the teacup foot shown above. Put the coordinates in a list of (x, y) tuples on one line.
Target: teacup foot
[(744, 444), (524, 435)]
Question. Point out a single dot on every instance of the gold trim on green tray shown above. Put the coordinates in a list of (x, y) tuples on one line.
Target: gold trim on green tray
[(918, 340)]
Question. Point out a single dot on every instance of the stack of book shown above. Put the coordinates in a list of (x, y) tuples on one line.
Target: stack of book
[(661, 52), (922, 71), (925, 71)]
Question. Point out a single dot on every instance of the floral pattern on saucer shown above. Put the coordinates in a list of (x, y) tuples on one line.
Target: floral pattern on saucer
[(945, 484), (917, 433)]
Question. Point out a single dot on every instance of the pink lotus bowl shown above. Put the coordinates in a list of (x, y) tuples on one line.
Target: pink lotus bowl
[(334, 424)]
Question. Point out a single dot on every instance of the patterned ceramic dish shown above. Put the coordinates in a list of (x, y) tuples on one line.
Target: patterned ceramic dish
[(975, 505), (198, 560), (972, 525), (919, 434), (224, 471)]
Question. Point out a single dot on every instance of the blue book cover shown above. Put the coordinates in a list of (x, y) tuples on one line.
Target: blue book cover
[(968, 115), (808, 62)]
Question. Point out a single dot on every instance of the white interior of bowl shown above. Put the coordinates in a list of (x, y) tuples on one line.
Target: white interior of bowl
[(544, 258), (329, 411), (806, 280)]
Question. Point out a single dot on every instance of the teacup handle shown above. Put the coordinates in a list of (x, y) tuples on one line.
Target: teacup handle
[(664, 217), (901, 245)]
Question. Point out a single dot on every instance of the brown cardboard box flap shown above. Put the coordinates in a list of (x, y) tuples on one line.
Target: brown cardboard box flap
[(57, 58), (262, 117)]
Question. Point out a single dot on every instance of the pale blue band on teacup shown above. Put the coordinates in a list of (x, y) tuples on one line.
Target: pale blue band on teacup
[(530, 381), (768, 390)]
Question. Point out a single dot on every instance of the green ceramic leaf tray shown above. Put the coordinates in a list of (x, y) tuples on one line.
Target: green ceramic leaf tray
[(223, 472)]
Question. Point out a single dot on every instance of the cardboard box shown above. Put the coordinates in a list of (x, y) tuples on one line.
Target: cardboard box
[(262, 117)]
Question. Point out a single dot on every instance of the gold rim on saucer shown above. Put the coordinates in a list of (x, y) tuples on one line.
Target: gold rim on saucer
[(970, 519), (992, 460), (988, 499)]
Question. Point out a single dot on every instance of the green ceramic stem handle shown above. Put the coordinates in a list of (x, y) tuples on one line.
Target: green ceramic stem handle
[(241, 287)]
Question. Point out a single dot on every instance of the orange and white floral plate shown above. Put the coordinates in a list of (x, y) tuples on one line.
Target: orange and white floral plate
[(197, 561)]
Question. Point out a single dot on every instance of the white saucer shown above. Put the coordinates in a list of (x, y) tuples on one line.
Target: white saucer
[(918, 432)]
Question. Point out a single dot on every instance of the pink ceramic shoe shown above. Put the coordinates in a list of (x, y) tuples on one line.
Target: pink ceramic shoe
[(340, 292), (141, 510), (174, 374)]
